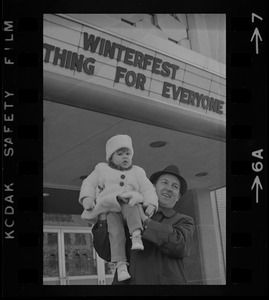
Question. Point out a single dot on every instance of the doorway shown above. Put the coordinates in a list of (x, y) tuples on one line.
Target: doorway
[(70, 259)]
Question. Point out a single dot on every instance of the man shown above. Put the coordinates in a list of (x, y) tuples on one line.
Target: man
[(167, 236)]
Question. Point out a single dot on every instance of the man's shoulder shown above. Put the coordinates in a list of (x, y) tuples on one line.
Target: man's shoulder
[(184, 217)]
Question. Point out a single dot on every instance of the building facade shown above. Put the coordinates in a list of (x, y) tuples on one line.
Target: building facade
[(160, 78)]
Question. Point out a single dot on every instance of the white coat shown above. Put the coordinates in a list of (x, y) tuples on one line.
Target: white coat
[(115, 183)]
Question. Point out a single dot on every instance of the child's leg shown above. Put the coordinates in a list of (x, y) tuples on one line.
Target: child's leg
[(117, 239), (133, 219), (115, 225)]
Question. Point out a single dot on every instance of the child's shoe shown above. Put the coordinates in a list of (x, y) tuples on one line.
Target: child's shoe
[(137, 243), (122, 272)]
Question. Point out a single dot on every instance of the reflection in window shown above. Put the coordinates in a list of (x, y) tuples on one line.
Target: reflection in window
[(66, 262), (52, 261), (84, 264), (50, 255), (77, 262), (67, 239), (52, 239), (81, 258), (78, 239), (109, 268)]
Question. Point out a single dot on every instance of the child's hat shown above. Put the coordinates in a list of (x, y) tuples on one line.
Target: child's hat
[(117, 142)]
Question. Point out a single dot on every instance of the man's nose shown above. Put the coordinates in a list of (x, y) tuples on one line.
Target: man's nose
[(169, 188)]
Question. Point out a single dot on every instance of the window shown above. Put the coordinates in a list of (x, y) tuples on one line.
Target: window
[(50, 255), (219, 198)]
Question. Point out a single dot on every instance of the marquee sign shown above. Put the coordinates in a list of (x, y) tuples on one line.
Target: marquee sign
[(139, 61)]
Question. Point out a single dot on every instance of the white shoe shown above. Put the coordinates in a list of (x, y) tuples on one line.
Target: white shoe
[(123, 273), (137, 243)]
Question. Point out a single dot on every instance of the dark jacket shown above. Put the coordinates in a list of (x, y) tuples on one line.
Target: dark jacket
[(167, 239)]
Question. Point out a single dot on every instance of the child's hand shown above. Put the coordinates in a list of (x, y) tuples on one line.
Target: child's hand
[(88, 203), (150, 210)]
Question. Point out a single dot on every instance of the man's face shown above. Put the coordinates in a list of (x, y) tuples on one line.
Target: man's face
[(168, 190)]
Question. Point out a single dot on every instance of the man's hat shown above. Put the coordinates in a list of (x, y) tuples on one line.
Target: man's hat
[(116, 142), (173, 170)]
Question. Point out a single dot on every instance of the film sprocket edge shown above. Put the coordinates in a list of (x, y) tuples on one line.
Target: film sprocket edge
[(33, 93)]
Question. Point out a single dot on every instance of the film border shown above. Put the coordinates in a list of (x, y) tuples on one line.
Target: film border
[(23, 141)]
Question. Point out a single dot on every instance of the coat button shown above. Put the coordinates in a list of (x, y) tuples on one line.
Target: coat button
[(121, 183), (122, 176)]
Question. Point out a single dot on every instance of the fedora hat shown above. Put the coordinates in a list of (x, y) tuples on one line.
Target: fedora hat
[(173, 170)]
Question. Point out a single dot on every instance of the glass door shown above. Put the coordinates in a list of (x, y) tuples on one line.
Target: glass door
[(70, 259), (109, 272), (81, 265), (52, 272)]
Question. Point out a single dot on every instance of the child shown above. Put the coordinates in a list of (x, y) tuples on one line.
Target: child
[(122, 187)]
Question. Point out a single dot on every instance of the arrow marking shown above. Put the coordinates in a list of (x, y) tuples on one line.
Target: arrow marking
[(258, 184), (257, 36)]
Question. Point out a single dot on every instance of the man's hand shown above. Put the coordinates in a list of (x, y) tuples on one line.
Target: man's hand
[(88, 203), (102, 217), (150, 210)]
